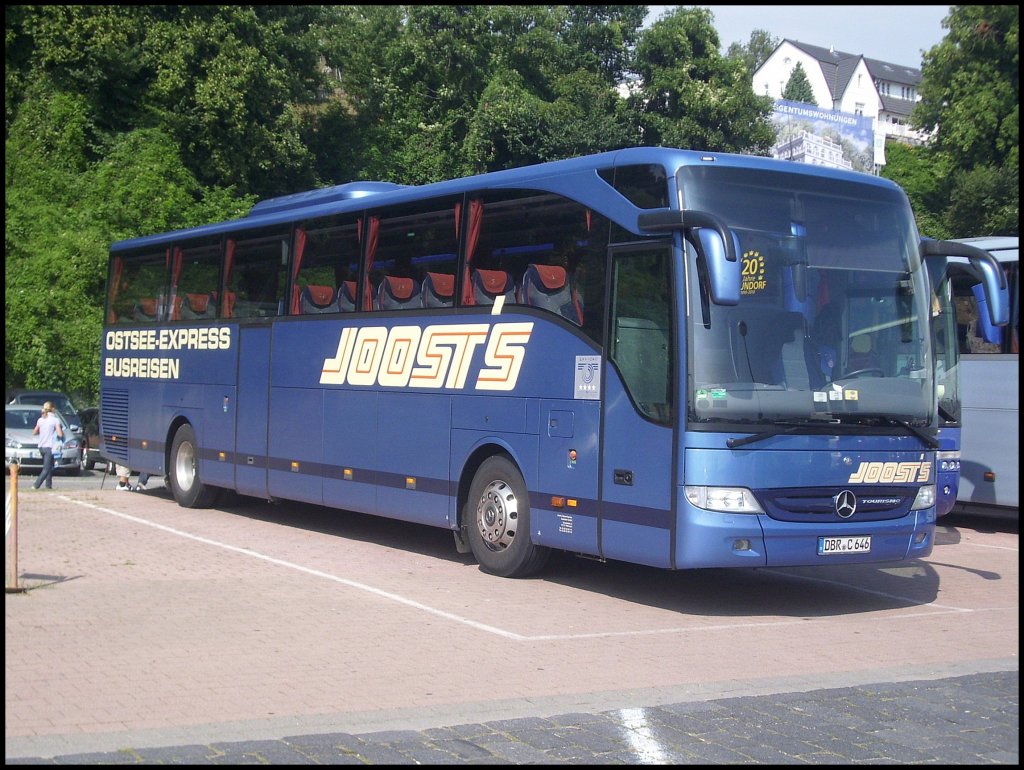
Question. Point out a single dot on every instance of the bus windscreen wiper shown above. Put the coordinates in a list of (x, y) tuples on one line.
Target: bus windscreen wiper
[(929, 441), (780, 429)]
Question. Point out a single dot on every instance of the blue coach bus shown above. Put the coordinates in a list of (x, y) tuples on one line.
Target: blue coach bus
[(665, 357)]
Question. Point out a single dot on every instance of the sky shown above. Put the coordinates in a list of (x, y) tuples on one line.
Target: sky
[(897, 34)]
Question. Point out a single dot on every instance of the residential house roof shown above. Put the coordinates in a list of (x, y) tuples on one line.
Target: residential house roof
[(838, 68)]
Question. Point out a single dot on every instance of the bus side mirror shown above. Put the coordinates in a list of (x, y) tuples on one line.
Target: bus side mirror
[(997, 294), (723, 273), (988, 269), (718, 245), (989, 331)]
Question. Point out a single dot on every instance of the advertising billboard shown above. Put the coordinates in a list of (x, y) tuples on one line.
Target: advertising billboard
[(810, 134)]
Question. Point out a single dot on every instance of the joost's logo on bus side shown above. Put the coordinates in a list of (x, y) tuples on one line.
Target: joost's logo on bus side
[(438, 356)]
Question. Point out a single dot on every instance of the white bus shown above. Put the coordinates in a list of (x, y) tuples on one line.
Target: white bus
[(989, 388)]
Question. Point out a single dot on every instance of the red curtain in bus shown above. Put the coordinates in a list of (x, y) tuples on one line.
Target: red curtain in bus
[(475, 222), (228, 305), (300, 247), (174, 260), (115, 288), (371, 252)]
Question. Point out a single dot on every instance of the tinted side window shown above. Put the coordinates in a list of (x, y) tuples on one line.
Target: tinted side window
[(537, 249), (326, 266), (411, 255), (137, 288), (256, 274), (646, 187), (196, 273), (641, 345)]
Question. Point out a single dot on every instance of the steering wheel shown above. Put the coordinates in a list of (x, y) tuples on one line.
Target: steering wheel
[(859, 372)]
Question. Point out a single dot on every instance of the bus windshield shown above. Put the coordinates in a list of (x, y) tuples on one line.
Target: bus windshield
[(833, 318)]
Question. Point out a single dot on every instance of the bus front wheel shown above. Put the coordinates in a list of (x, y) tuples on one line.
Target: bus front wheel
[(188, 490), (497, 519)]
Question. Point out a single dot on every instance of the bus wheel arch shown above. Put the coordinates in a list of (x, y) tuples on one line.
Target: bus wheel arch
[(495, 516), (183, 470)]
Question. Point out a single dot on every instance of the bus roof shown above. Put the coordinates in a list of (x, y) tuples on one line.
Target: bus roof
[(560, 176), (1002, 247)]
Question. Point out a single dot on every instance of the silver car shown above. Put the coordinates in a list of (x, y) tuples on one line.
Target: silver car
[(23, 446)]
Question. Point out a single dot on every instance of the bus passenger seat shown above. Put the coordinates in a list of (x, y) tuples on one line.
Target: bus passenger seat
[(145, 309), (488, 285), (317, 299), (438, 290), (396, 293), (347, 297), (548, 286), (197, 306)]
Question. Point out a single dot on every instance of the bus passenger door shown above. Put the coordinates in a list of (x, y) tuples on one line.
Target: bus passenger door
[(639, 409), (251, 411)]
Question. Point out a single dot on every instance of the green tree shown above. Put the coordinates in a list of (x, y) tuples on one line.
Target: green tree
[(51, 271), (430, 92), (970, 92), (62, 213), (226, 81), (985, 200), (798, 87), (691, 96), (601, 39), (923, 174), (756, 51), (970, 87), (91, 51)]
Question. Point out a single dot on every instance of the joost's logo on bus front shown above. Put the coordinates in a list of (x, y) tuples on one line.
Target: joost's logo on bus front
[(438, 356)]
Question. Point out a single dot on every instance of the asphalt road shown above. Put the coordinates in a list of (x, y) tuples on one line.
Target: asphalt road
[(291, 634)]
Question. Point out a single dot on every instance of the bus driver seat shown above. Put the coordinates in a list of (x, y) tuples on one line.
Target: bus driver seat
[(862, 354)]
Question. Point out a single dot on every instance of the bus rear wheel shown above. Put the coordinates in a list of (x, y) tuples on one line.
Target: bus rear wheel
[(497, 519), (188, 490)]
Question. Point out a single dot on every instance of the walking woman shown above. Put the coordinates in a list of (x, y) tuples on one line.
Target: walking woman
[(50, 432)]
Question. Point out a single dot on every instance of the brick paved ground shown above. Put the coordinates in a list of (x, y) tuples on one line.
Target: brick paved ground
[(152, 633), (960, 720)]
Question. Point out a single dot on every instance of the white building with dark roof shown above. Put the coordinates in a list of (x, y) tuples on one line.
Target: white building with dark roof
[(852, 83)]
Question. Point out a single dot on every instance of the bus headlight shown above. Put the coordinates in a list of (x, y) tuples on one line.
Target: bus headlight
[(925, 498), (948, 460), (724, 499)]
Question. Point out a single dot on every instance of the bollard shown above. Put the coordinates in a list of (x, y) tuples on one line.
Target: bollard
[(11, 535)]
